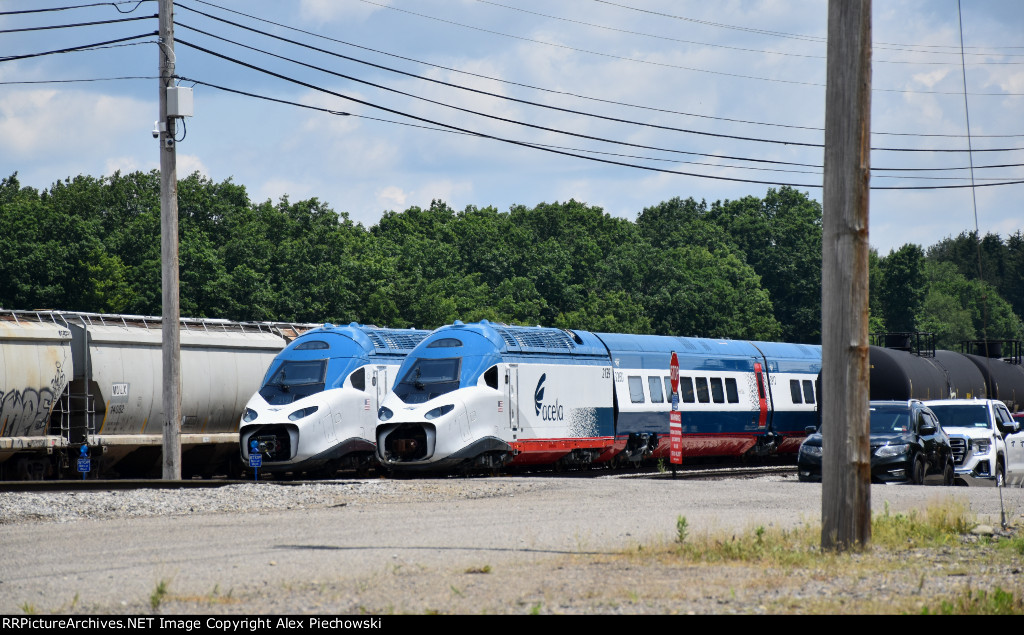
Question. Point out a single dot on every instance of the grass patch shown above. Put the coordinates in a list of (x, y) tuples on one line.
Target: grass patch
[(941, 524), (158, 595), (996, 602)]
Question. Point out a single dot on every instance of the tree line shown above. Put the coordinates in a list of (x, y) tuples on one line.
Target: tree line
[(744, 269)]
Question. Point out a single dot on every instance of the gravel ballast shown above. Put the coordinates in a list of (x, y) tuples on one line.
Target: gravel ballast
[(518, 545)]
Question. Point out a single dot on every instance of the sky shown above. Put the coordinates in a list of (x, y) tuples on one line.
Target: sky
[(380, 105)]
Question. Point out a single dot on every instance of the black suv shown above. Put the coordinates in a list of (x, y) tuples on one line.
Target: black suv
[(907, 445)]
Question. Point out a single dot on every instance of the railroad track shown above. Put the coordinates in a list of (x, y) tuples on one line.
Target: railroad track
[(710, 472)]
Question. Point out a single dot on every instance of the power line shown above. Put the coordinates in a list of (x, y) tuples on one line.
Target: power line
[(662, 64), (80, 6), (83, 47), (70, 26), (548, 148), (522, 123), (483, 92), (726, 46), (558, 92), (809, 38)]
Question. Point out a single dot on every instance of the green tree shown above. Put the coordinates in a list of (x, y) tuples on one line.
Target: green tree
[(902, 288)]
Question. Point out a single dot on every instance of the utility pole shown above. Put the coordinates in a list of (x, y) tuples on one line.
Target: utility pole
[(169, 254), (846, 460)]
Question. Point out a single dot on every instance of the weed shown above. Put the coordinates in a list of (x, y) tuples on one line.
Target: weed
[(535, 609), (484, 569), (455, 590), (682, 529), (158, 594), (661, 466), (29, 609), (998, 602), (942, 523)]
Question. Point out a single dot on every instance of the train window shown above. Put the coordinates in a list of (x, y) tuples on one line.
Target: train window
[(491, 377), (636, 389), (294, 380), (731, 391), (702, 390), (359, 379), (808, 391), (717, 392), (686, 389), (445, 342), (654, 384), (794, 389), (429, 378), (312, 345), (668, 389)]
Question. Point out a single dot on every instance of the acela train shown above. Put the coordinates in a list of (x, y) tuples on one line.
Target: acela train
[(317, 406), (490, 395)]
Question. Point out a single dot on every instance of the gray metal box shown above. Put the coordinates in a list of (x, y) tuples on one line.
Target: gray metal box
[(179, 102)]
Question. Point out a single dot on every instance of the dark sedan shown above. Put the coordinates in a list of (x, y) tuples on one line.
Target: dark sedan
[(907, 446)]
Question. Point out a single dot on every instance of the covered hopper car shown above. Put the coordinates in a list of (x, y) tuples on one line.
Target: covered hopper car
[(69, 380)]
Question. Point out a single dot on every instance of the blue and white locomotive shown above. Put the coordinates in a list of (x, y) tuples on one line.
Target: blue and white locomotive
[(317, 406), (488, 395)]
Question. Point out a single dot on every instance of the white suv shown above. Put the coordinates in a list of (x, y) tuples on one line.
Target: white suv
[(988, 444)]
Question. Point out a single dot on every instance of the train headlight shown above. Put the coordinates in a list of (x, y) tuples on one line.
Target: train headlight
[(439, 411), (250, 415), (305, 412), (384, 413), (892, 450)]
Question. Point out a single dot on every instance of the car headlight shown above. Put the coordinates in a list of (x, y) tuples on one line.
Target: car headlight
[(439, 411), (250, 415), (981, 447), (892, 450), (384, 413), (305, 412), (810, 450)]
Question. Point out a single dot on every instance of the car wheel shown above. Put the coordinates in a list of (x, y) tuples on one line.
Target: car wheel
[(917, 472), (1000, 474), (947, 475)]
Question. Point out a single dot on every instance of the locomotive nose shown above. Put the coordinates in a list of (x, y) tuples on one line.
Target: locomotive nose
[(405, 442)]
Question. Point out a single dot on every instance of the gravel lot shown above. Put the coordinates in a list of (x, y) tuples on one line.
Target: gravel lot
[(503, 545)]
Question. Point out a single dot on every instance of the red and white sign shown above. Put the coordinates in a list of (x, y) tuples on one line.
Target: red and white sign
[(675, 437), (673, 372)]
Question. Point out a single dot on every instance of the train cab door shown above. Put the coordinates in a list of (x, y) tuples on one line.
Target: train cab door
[(380, 383), (763, 414), (512, 397)]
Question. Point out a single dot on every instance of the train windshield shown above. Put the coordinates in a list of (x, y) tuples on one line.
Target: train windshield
[(962, 416), (429, 378), (294, 380)]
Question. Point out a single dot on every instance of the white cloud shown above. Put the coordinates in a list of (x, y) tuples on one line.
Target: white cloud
[(392, 197), (189, 163), (332, 10)]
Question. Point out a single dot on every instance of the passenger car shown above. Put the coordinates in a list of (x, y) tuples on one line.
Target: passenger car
[(907, 445), (988, 445)]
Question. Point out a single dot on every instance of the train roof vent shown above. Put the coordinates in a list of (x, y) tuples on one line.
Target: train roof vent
[(687, 344), (532, 338), (395, 339)]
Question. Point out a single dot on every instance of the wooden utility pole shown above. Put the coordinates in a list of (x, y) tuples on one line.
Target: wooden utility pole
[(846, 460), (169, 254)]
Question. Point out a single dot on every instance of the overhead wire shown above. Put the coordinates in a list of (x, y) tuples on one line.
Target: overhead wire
[(556, 92), (662, 64), (536, 146), (508, 98)]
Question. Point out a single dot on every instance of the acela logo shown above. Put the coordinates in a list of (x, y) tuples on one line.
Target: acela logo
[(538, 394), (545, 412)]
